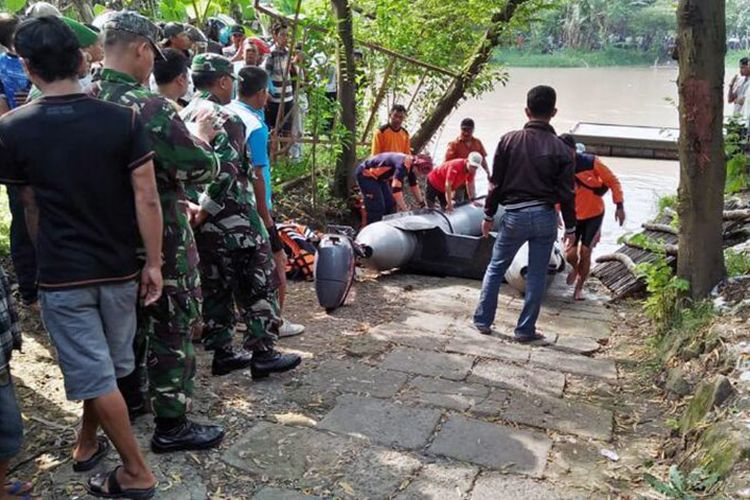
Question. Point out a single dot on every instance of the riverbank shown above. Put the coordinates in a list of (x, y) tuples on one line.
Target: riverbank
[(572, 58)]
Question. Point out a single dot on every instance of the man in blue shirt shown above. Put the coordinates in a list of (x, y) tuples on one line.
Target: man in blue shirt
[(252, 94)]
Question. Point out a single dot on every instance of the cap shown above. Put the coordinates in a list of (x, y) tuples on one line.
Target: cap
[(86, 36), (173, 29), (475, 159), (236, 29), (212, 63), (195, 34), (40, 9), (133, 22), (467, 122)]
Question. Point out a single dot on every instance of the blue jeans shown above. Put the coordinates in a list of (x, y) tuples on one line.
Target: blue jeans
[(538, 227), (377, 196)]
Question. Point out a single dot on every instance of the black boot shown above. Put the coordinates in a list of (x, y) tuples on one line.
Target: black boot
[(228, 359), (182, 434), (271, 361)]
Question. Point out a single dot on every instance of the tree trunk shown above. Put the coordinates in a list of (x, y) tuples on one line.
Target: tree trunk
[(85, 10), (346, 94), (701, 45), (457, 89)]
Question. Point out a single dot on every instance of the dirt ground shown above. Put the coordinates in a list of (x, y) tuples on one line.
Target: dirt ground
[(238, 403)]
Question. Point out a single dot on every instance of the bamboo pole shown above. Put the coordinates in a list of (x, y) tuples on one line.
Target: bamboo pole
[(416, 91), (379, 97)]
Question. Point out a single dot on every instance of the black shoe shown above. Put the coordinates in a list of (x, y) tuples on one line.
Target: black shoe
[(136, 411), (271, 361), (227, 359), (187, 436)]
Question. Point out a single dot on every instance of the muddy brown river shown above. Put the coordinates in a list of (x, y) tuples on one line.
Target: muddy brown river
[(625, 96)]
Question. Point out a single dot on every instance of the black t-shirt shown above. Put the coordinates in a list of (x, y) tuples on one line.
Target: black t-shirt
[(77, 154)]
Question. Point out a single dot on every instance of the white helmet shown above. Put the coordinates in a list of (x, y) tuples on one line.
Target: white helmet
[(40, 9), (475, 159)]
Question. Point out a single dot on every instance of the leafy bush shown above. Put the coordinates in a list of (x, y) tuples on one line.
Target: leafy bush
[(738, 263), (678, 485)]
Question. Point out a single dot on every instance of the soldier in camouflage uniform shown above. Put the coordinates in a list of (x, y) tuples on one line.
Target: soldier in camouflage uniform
[(180, 159), (237, 267)]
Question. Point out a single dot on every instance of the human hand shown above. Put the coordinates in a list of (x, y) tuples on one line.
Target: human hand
[(569, 240), (206, 122), (151, 284), (620, 216), (449, 208), (487, 227), (198, 218)]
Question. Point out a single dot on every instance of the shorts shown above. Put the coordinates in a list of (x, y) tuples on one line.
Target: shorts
[(92, 330), (431, 195), (11, 430), (588, 229)]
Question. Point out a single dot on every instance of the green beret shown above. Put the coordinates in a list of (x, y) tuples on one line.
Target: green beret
[(86, 36)]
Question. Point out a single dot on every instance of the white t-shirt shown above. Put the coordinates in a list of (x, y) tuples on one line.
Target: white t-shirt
[(741, 90)]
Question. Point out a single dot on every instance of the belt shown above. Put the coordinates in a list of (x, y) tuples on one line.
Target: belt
[(533, 208)]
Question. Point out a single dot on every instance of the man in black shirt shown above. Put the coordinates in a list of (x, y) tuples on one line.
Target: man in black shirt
[(89, 189), (533, 171)]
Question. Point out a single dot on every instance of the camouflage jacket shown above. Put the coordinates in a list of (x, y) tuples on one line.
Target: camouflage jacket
[(229, 199), (180, 159)]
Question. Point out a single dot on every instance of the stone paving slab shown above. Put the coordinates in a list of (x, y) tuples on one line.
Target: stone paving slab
[(574, 363), (494, 446), (269, 493), (467, 340), (458, 396), (564, 415), (494, 486), (286, 453), (430, 322), (353, 377), (433, 364), (376, 473), (382, 422), (410, 336), (577, 345), (440, 482), (493, 405), (519, 378)]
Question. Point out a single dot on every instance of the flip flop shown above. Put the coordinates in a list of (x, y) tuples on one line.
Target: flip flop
[(101, 452), (16, 488), (96, 484), (537, 339)]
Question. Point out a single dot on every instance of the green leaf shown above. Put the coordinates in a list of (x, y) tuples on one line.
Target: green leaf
[(14, 6), (658, 485), (676, 478), (99, 9)]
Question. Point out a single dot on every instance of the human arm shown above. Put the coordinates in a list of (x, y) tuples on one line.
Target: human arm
[(499, 167), (377, 145), (188, 158), (613, 183), (31, 212), (731, 96), (450, 153), (565, 184), (398, 195), (151, 228), (471, 189), (417, 193), (448, 196)]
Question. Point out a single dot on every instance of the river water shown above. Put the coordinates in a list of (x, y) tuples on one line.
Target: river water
[(625, 96)]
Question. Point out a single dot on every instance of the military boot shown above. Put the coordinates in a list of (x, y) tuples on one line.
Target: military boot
[(271, 361), (228, 359)]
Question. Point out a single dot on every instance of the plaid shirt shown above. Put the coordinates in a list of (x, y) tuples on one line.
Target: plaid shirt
[(10, 331)]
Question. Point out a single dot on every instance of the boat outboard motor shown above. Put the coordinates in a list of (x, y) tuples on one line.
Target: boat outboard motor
[(334, 270)]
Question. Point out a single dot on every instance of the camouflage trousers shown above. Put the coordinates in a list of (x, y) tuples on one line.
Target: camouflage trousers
[(238, 281), (164, 344)]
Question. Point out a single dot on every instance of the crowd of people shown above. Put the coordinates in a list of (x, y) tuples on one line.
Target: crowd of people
[(144, 223)]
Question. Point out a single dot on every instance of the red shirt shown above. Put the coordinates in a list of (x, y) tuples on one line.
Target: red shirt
[(454, 171)]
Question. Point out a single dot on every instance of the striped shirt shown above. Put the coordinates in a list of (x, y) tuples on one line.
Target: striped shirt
[(276, 66)]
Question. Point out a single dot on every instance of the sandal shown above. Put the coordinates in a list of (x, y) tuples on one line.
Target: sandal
[(96, 486), (101, 452)]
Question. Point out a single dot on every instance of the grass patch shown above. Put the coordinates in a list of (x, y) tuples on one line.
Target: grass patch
[(572, 58)]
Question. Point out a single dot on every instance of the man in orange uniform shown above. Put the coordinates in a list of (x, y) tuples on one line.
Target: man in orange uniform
[(443, 181), (392, 137), (465, 144), (593, 180)]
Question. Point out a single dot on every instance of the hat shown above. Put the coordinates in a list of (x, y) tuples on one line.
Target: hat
[(173, 29), (195, 34), (86, 36), (422, 163), (212, 63), (133, 22), (40, 9), (236, 29), (475, 159), (467, 122)]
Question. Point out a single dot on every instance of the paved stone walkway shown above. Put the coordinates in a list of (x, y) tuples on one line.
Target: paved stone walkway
[(424, 407)]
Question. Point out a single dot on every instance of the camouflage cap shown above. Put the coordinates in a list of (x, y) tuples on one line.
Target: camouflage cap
[(173, 29), (133, 22), (212, 63)]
